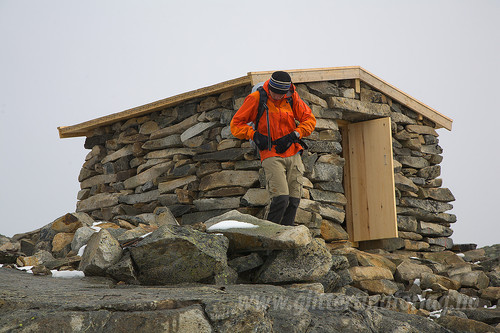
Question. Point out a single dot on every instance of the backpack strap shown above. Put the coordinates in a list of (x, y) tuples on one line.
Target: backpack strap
[(262, 104), (290, 101)]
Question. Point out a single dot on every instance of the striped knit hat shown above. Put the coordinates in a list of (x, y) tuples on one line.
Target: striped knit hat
[(280, 82)]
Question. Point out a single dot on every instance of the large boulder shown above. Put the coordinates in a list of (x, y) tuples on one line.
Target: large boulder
[(444, 257), (488, 316), (245, 263), (456, 324), (491, 293), (69, 223), (455, 299), (123, 270), (474, 279), (361, 273), (175, 254), (372, 259), (248, 233), (101, 252), (429, 280), (408, 271), (381, 286), (82, 236), (308, 263), (38, 258)]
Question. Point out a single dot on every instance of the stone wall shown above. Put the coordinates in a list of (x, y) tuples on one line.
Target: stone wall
[(184, 158)]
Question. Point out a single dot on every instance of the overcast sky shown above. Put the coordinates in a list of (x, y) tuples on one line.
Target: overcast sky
[(66, 62)]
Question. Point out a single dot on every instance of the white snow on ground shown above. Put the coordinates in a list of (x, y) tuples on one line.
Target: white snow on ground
[(420, 298), (417, 282), (56, 273), (67, 274), (231, 224), (25, 268), (460, 254), (95, 226), (146, 235), (435, 314), (80, 252)]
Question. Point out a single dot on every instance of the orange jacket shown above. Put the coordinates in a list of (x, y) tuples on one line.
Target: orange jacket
[(281, 120)]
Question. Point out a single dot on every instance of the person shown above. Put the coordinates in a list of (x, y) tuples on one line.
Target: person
[(279, 145)]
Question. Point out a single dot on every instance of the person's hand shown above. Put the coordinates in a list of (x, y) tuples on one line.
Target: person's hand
[(260, 140), (283, 143)]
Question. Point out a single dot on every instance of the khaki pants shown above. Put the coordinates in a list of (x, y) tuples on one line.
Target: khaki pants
[(284, 175)]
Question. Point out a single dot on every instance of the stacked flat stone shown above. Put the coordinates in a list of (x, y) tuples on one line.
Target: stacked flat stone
[(186, 159)]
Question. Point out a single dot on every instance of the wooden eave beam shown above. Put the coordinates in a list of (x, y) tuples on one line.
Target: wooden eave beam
[(84, 128)]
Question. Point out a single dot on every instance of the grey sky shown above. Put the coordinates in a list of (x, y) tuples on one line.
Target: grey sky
[(65, 62)]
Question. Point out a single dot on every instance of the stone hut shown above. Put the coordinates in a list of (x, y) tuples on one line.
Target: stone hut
[(372, 167)]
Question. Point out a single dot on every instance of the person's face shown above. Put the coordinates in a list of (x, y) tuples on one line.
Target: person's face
[(276, 96)]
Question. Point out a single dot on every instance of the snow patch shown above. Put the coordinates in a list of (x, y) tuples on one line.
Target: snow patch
[(417, 282), (82, 249), (67, 274), (435, 314), (420, 298), (95, 226), (461, 255), (146, 235), (25, 268), (231, 224)]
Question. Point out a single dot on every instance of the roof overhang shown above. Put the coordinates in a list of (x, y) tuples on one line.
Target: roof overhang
[(298, 76)]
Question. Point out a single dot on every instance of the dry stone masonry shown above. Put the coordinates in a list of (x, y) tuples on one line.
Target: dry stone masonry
[(184, 158)]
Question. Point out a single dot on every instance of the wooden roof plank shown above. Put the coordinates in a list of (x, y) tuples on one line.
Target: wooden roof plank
[(311, 75), (85, 127), (298, 76)]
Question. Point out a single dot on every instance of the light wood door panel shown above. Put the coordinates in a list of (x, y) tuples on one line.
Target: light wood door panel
[(370, 181)]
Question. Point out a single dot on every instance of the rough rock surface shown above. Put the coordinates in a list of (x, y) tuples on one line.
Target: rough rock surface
[(176, 254), (307, 263), (92, 304), (267, 235), (102, 251)]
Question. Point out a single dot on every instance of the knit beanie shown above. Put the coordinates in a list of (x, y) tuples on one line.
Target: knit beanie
[(280, 82)]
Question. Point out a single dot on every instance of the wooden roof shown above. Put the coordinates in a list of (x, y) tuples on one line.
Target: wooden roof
[(298, 76)]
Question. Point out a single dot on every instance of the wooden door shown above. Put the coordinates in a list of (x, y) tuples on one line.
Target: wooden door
[(369, 180)]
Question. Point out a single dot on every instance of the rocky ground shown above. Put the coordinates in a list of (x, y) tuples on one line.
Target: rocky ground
[(237, 273), (33, 303)]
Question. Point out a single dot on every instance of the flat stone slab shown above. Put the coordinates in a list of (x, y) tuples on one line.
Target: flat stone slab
[(97, 304), (265, 236)]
